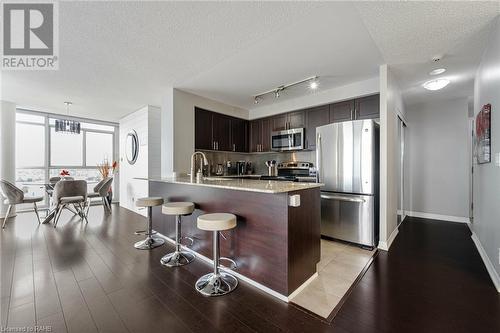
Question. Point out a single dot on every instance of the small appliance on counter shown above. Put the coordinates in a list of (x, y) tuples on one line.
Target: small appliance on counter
[(272, 171), (219, 171), (242, 168)]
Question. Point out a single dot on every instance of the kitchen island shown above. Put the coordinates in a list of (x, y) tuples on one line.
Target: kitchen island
[(277, 240)]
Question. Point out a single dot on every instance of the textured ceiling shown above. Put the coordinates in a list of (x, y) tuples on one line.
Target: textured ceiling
[(410, 34), (118, 56)]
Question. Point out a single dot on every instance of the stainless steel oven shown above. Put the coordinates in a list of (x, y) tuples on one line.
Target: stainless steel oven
[(292, 139)]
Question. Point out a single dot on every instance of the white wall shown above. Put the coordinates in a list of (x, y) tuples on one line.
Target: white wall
[(391, 104), (146, 122), (486, 223), (439, 158), (7, 147), (178, 118), (352, 90)]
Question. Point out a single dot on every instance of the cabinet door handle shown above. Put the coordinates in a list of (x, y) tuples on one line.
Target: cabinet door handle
[(213, 145), (234, 147), (355, 114), (351, 115), (217, 145)]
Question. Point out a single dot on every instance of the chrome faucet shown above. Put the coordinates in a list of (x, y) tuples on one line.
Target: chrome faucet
[(203, 162)]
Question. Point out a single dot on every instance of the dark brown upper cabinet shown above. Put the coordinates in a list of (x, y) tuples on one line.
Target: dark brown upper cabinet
[(239, 135), (215, 131), (279, 122), (266, 134), (342, 111), (260, 135), (255, 135), (221, 125), (315, 117), (295, 119), (203, 130), (367, 107)]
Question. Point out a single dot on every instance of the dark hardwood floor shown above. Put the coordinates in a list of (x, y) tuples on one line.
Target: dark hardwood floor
[(86, 278)]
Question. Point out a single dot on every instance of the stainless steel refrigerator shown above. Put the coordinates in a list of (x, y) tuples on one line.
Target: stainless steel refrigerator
[(347, 161)]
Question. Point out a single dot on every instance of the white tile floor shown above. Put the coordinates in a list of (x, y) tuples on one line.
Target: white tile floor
[(338, 268)]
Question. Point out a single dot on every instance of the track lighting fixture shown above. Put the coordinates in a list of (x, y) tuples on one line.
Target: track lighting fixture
[(313, 84)]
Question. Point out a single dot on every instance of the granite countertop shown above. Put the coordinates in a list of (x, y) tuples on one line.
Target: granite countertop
[(250, 185)]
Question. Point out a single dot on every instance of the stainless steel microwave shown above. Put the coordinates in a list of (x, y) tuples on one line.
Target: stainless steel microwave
[(292, 139)]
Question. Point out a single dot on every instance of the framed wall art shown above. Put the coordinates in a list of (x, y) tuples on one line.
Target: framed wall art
[(483, 135)]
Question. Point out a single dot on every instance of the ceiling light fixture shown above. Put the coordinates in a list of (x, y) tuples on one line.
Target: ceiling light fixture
[(66, 125), (313, 84), (436, 84), (437, 71)]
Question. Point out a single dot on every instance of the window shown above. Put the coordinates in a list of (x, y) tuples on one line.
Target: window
[(66, 149), (98, 147), (78, 153), (30, 145), (30, 118)]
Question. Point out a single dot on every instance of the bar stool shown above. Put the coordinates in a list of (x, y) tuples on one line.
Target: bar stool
[(178, 257), (217, 283), (151, 241)]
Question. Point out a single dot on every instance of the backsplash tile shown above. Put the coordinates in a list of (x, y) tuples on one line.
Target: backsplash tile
[(258, 160)]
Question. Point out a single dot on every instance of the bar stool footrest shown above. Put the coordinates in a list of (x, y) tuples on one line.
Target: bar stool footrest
[(234, 266), (190, 239)]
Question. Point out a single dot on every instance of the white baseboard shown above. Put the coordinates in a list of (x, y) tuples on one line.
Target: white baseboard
[(246, 279), (449, 218), (386, 245), (489, 266)]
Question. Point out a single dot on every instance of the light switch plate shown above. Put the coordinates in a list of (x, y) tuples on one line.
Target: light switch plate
[(497, 159), (294, 200)]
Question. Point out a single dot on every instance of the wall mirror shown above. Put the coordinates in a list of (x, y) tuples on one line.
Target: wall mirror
[(132, 147)]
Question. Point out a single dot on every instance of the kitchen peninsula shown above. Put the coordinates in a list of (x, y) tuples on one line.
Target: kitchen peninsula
[(277, 239)]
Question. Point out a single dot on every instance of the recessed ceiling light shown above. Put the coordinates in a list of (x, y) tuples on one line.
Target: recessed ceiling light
[(313, 85), (437, 71), (436, 84)]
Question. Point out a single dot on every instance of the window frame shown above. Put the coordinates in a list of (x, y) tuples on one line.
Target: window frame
[(47, 153)]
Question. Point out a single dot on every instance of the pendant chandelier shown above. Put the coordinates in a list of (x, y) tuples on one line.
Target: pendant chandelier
[(66, 125)]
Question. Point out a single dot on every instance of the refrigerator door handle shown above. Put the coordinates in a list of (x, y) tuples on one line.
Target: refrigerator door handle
[(318, 157), (342, 198)]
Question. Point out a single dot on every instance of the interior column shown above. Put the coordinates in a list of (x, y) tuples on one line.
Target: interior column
[(7, 147)]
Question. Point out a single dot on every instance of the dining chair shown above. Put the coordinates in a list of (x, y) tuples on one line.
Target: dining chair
[(69, 192), (15, 196), (101, 190)]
